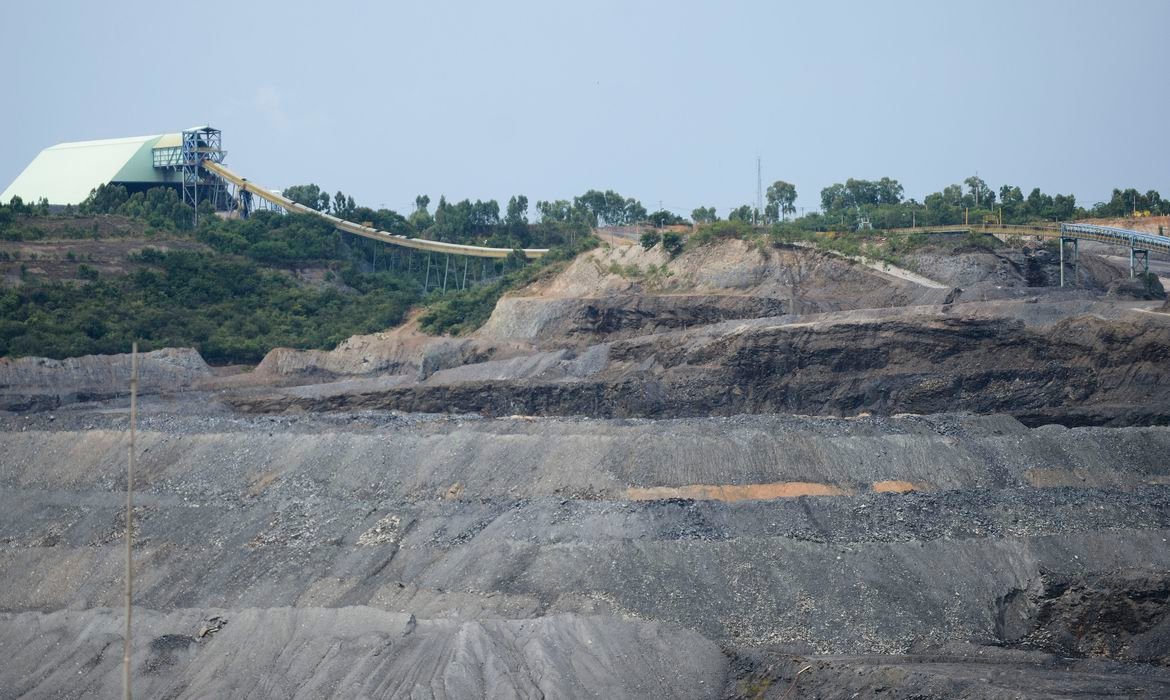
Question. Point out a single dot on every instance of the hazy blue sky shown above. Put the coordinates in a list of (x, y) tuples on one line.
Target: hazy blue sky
[(667, 101)]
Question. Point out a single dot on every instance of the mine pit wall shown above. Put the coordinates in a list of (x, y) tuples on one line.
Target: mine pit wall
[(1077, 371), (472, 518), (38, 383), (590, 320)]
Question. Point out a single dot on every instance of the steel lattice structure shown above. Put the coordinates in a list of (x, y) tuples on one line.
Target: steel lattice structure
[(201, 145)]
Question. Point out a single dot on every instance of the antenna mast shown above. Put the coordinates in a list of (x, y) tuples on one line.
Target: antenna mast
[(759, 191)]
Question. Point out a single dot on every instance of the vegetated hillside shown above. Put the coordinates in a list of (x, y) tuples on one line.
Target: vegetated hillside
[(76, 297), (91, 283)]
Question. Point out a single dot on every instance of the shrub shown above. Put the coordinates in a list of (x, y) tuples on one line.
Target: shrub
[(720, 230), (650, 239), (672, 242)]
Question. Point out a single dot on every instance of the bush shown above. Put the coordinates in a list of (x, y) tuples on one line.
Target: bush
[(161, 207), (672, 242), (650, 239)]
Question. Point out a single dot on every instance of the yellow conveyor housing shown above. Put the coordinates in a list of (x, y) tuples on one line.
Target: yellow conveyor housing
[(357, 229)]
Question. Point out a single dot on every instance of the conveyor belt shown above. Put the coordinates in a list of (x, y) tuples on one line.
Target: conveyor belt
[(1085, 232), (357, 229)]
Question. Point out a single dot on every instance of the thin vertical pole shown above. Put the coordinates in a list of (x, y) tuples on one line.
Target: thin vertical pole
[(466, 262), (1131, 260), (446, 269), (1076, 263), (126, 692), (427, 282), (1062, 262)]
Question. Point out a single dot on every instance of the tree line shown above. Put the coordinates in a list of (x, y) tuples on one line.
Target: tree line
[(487, 223), (881, 202)]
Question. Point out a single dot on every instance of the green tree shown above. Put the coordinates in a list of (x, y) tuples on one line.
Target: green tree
[(517, 214), (1126, 202), (704, 215), (104, 199), (1038, 205), (609, 208), (860, 195), (1063, 207), (634, 211), (308, 195), (978, 190), (420, 218), (662, 217), (343, 206), (889, 191), (557, 211), (835, 198), (744, 213), (781, 200)]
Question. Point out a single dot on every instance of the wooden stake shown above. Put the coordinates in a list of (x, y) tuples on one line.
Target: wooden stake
[(126, 693)]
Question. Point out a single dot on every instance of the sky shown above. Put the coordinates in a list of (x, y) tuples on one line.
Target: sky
[(668, 102)]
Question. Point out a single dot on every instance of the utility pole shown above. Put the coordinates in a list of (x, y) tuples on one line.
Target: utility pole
[(126, 647), (759, 191)]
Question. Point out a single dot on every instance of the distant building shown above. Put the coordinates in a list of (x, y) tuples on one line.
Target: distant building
[(66, 173)]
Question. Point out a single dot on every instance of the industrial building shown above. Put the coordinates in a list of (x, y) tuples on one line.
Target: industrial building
[(68, 172), (191, 161)]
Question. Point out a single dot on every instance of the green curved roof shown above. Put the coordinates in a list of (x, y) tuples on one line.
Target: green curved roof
[(65, 173)]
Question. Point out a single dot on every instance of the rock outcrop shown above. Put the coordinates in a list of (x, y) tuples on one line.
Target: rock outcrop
[(38, 383)]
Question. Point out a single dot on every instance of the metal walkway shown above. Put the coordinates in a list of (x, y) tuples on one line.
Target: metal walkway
[(358, 230)]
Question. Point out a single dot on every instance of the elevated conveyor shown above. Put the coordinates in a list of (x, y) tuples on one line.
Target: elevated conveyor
[(365, 231), (1139, 244), (1116, 236), (1085, 232)]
